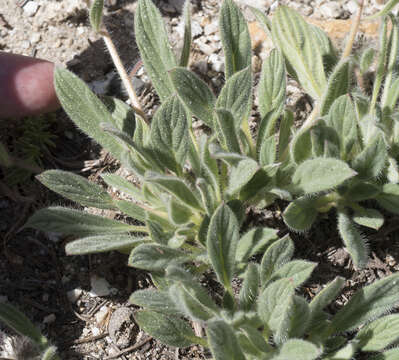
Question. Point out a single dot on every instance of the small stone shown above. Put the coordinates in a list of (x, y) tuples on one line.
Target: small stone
[(211, 28), (122, 327), (99, 286), (217, 63), (101, 314), (30, 8), (95, 331), (205, 48), (25, 44), (352, 6), (35, 38), (202, 66), (331, 10), (49, 319), (74, 295)]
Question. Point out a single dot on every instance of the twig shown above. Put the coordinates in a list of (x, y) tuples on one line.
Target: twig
[(353, 32), (90, 338), (129, 349)]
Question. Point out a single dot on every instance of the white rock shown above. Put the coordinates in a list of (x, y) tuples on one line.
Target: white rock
[(205, 48), (95, 331), (331, 10), (31, 7), (73, 295), (99, 286), (217, 63), (211, 28), (196, 29), (25, 44), (35, 38), (260, 4), (101, 314), (49, 319), (352, 6)]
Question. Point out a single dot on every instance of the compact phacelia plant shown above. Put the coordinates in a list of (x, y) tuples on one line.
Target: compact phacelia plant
[(193, 188)]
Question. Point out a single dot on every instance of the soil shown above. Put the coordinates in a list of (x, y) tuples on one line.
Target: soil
[(73, 299)]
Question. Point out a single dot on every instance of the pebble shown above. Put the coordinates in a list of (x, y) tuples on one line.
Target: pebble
[(211, 28), (196, 29), (99, 286), (101, 314), (331, 10), (35, 38), (122, 327), (205, 48), (352, 6), (216, 62), (30, 8), (49, 319), (73, 295)]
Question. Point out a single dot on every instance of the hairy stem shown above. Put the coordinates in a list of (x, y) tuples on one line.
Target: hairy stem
[(353, 32), (123, 74)]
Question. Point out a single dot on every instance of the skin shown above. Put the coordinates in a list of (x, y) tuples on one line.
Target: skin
[(26, 86)]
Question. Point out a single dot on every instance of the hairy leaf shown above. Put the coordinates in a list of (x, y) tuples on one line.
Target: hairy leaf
[(298, 271), (77, 188), (185, 53), (226, 131), (222, 243), (367, 304), (68, 221), (235, 38), (300, 214), (85, 110), (353, 239), (298, 42), (379, 334), (131, 209), (155, 49), (297, 349), (194, 94), (369, 217), (278, 254), (321, 174), (96, 14), (236, 96), (155, 300), (223, 342), (155, 257), (169, 330), (103, 243), (241, 174), (254, 241), (389, 198), (250, 287), (272, 84)]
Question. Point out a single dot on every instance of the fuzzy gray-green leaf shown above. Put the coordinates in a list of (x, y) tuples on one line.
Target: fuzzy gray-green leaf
[(297, 270), (379, 334), (85, 110), (321, 174), (222, 243), (96, 14), (353, 239), (131, 209), (185, 53), (272, 84), (369, 217), (250, 287), (169, 330), (223, 342), (155, 49), (169, 133), (235, 38), (241, 174), (254, 241), (194, 94), (366, 60), (176, 187), (155, 300), (389, 198), (16, 320), (77, 188), (278, 254), (338, 84), (367, 304), (297, 349), (236, 96), (226, 131), (372, 160), (69, 221), (102, 243), (123, 185), (155, 257), (300, 214), (299, 44), (342, 118), (274, 301)]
